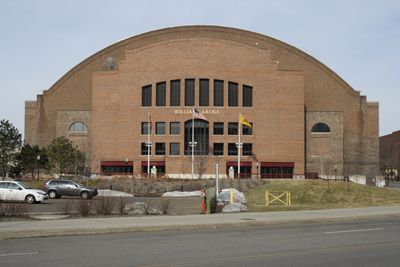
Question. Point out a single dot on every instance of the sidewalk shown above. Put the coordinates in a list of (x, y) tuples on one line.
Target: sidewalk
[(43, 228)]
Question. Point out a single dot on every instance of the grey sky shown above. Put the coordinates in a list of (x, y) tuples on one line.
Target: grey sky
[(43, 39)]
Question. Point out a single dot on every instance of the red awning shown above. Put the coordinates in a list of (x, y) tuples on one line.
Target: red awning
[(277, 164), (116, 163), (242, 163), (154, 163)]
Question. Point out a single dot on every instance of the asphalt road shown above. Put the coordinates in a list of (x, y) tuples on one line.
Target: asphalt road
[(373, 242)]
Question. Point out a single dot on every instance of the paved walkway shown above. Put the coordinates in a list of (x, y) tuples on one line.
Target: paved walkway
[(42, 228)]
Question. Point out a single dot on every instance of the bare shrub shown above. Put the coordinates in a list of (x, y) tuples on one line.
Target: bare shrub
[(66, 207), (106, 205), (13, 209), (121, 202), (165, 205), (84, 207)]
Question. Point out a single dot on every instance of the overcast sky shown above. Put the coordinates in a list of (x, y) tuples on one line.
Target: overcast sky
[(43, 39)]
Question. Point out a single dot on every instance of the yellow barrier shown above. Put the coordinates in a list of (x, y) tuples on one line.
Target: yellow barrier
[(283, 198)]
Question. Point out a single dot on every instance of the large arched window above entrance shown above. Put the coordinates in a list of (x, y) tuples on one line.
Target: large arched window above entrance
[(78, 127), (201, 133), (320, 128)]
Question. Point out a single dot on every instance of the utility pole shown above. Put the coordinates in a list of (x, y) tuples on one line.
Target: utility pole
[(217, 178), (38, 166)]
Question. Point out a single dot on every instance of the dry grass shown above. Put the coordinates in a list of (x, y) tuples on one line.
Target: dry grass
[(311, 194)]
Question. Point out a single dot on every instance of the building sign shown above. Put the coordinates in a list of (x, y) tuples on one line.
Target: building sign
[(189, 111)]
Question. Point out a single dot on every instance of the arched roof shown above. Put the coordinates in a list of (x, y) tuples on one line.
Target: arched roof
[(226, 33)]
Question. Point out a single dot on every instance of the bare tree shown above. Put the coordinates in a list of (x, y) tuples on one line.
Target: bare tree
[(201, 161)]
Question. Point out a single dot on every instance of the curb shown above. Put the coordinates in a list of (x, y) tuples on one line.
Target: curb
[(189, 226)]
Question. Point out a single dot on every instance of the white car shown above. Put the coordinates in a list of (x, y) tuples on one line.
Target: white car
[(18, 191)]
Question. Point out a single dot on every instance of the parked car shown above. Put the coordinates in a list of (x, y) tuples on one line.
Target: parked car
[(56, 188), (18, 191)]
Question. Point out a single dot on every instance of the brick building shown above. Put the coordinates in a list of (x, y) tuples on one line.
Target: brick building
[(389, 151), (305, 118)]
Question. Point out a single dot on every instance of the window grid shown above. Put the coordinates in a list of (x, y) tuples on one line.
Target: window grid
[(160, 149), (218, 93), (232, 128), (233, 94), (232, 149), (175, 93), (189, 92), (145, 128), (204, 92), (144, 149), (174, 128), (161, 94), (247, 149), (146, 96), (218, 149), (160, 128), (247, 96), (218, 128), (174, 149)]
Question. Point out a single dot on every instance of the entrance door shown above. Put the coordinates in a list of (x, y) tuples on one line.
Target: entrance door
[(201, 137)]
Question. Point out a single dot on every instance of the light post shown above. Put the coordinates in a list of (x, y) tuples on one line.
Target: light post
[(336, 167), (239, 146), (148, 145), (126, 168), (193, 144), (257, 166), (37, 166), (217, 178)]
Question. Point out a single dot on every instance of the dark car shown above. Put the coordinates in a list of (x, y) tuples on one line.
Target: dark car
[(56, 188)]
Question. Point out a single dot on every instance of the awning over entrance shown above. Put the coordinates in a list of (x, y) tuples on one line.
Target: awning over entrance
[(277, 164), (242, 163), (116, 163), (116, 167)]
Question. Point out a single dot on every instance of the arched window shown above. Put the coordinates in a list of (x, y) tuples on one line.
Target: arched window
[(320, 128), (78, 127)]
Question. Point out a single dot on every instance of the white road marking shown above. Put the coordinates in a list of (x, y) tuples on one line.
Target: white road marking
[(19, 254), (353, 231)]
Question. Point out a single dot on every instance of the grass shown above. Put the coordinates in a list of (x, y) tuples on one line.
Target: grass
[(315, 194)]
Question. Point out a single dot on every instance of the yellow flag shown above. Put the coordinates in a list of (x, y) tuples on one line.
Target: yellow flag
[(244, 121)]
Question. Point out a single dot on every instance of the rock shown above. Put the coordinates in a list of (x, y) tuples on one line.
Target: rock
[(136, 208), (154, 211), (234, 207), (225, 196)]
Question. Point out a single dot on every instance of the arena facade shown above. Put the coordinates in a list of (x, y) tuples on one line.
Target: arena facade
[(305, 120)]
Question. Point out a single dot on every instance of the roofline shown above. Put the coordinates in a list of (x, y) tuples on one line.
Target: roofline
[(214, 28)]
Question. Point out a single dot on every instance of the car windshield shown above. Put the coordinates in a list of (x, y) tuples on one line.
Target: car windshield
[(24, 185)]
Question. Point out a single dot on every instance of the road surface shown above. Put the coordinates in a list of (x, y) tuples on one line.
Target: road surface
[(372, 242)]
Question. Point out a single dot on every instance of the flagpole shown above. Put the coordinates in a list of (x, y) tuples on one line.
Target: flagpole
[(148, 144), (239, 146), (192, 145)]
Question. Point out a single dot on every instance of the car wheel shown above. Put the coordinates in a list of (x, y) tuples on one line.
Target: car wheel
[(30, 199), (85, 195), (52, 194)]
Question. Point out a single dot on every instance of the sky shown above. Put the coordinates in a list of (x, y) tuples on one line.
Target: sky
[(41, 40)]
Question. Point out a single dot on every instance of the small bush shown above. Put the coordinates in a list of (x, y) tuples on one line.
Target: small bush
[(84, 207), (121, 202), (106, 205), (66, 207), (13, 209), (165, 205)]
